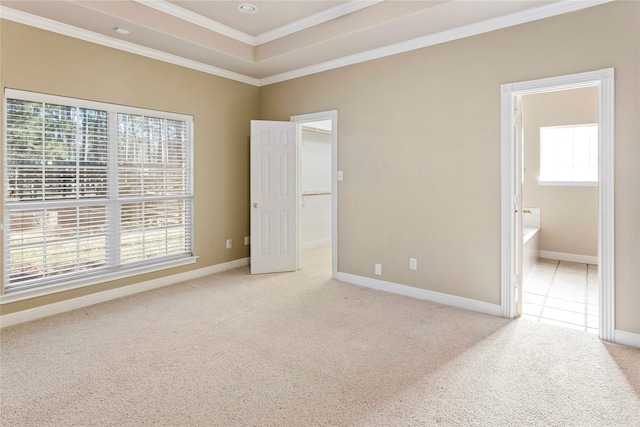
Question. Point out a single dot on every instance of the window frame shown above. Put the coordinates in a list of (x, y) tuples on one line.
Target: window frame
[(114, 272), (567, 183)]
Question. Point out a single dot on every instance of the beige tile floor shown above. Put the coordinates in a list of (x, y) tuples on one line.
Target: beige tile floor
[(562, 293)]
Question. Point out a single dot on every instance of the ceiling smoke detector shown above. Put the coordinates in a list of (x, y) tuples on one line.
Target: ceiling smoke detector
[(247, 8)]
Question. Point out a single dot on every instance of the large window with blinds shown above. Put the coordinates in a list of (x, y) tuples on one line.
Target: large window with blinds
[(92, 189)]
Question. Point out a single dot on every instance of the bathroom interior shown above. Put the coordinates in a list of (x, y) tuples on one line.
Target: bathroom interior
[(560, 215)]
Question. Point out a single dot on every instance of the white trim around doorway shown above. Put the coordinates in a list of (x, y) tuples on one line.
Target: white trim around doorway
[(604, 80), (315, 117)]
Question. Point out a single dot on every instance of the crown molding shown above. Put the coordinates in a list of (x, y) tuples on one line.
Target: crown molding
[(313, 20), (89, 36), (517, 18), (197, 19), (469, 30)]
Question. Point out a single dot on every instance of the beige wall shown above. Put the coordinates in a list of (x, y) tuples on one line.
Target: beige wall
[(36, 60), (419, 144), (569, 215)]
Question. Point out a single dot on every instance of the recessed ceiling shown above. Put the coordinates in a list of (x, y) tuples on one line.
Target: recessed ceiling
[(283, 39), (270, 14)]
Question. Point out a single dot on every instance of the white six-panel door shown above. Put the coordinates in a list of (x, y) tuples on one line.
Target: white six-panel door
[(274, 223)]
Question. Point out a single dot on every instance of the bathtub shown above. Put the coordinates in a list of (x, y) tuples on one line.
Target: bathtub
[(530, 240)]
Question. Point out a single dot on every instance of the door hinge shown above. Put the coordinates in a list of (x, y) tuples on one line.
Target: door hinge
[(517, 117)]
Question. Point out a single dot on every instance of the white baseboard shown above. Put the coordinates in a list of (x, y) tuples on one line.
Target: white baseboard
[(561, 256), (440, 298), (316, 243), (87, 300), (626, 338), (630, 339), (621, 337)]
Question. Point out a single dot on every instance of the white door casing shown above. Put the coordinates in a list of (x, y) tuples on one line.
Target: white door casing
[(274, 207), (518, 208), (604, 80)]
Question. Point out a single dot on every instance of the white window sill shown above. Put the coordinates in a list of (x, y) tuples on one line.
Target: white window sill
[(568, 183), (82, 282)]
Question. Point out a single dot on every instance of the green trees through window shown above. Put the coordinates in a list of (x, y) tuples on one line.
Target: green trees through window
[(90, 190)]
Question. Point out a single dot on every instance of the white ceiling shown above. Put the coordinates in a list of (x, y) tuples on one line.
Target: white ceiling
[(283, 39), (270, 15)]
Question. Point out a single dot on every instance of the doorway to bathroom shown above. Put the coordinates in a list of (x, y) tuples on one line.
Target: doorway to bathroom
[(560, 208), (514, 213)]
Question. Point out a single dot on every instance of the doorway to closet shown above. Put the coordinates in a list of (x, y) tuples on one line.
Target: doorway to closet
[(317, 191), (276, 193)]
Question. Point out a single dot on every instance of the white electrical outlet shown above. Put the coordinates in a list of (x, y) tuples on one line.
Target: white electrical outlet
[(378, 269), (246, 240), (413, 264), (229, 243)]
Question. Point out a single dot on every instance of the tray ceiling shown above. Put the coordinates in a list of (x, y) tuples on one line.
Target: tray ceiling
[(282, 39)]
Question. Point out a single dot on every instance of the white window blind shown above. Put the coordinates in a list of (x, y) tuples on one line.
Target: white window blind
[(91, 188), (152, 182), (569, 153)]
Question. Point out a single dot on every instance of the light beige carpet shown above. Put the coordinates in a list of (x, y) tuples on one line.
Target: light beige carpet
[(300, 349)]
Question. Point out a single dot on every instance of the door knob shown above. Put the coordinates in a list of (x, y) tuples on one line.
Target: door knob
[(255, 205)]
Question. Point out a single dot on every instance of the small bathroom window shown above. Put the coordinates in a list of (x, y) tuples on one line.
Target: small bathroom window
[(569, 155)]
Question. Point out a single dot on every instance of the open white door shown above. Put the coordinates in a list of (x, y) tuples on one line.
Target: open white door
[(519, 152), (274, 215)]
